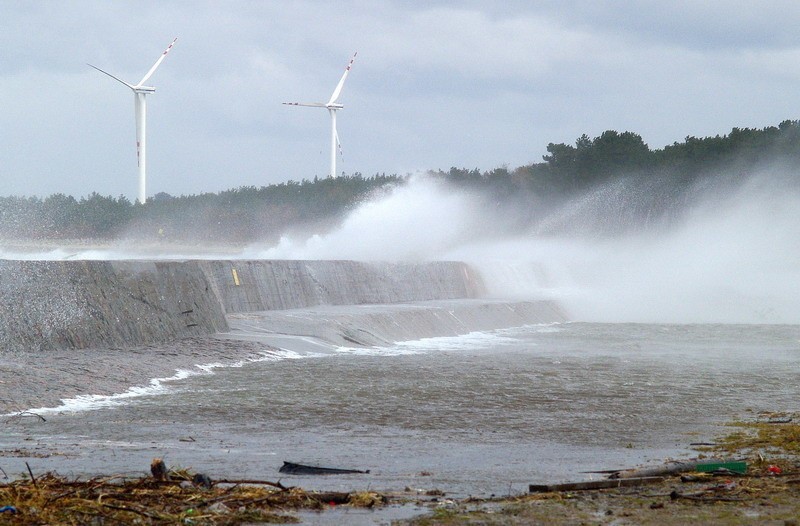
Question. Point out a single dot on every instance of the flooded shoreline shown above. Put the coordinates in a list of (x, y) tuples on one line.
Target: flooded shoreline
[(470, 415)]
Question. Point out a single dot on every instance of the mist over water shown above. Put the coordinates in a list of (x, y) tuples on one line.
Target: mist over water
[(726, 251), (653, 250)]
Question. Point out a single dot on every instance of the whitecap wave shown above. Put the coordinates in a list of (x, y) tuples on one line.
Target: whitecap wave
[(159, 386)]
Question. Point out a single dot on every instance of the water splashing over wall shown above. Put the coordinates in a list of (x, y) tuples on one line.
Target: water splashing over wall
[(634, 250), (723, 249)]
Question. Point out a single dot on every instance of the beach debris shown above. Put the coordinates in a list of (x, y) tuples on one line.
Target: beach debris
[(293, 468), (774, 417), (702, 477), (219, 507), (711, 493), (773, 469), (202, 480), (123, 500), (722, 468), (159, 470), (674, 468), (594, 484), (649, 475), (253, 482), (30, 472)]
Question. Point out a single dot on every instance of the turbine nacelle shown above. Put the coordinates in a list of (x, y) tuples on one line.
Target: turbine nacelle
[(141, 117), (332, 106)]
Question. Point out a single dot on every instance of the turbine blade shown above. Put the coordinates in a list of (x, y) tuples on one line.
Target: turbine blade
[(139, 130), (339, 144), (110, 75), (158, 63), (339, 86), (309, 104)]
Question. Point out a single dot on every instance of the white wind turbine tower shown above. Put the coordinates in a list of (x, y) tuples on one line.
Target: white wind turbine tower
[(332, 107), (139, 92)]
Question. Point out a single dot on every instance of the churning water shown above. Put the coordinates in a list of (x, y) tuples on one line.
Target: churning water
[(484, 413)]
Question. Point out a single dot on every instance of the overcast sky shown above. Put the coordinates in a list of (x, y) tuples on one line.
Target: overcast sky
[(435, 84)]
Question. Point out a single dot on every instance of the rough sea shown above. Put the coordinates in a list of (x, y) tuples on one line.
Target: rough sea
[(481, 414)]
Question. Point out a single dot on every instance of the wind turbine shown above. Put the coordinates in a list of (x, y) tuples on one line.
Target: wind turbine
[(333, 106), (139, 93)]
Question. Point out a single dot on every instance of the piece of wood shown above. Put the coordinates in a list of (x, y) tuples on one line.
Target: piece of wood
[(594, 484), (33, 479), (293, 468), (255, 482), (680, 467)]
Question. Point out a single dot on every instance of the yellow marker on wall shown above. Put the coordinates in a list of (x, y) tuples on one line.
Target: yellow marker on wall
[(235, 277)]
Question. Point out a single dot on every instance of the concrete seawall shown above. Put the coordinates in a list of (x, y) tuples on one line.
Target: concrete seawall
[(84, 304), (315, 328), (250, 286), (113, 304)]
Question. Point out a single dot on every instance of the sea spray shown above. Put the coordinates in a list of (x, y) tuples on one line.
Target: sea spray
[(411, 222), (720, 251), (636, 249)]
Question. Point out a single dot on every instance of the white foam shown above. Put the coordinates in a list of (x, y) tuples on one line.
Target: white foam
[(541, 328), (158, 386), (376, 351), (477, 340)]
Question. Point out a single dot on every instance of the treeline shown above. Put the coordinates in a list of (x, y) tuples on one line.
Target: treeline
[(570, 169), (263, 213), (233, 216)]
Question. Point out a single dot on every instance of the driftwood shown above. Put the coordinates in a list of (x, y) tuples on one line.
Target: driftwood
[(301, 469), (594, 484), (704, 498), (18, 415), (732, 466), (710, 494), (641, 476), (786, 420), (254, 482), (33, 479)]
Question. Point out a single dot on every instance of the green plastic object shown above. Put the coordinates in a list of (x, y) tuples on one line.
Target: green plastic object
[(735, 467)]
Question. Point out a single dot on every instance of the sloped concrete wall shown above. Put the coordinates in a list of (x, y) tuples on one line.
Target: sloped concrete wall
[(121, 304), (81, 304), (249, 286), (381, 325)]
